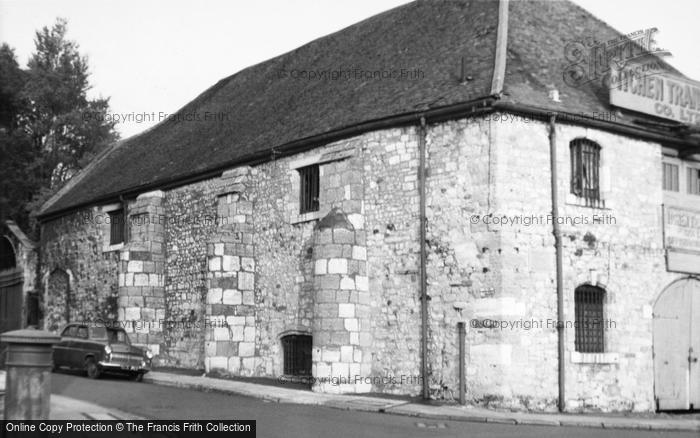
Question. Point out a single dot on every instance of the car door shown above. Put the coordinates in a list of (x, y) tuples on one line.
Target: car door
[(62, 347), (79, 347)]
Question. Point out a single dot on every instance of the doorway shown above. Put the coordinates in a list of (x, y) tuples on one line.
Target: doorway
[(676, 338)]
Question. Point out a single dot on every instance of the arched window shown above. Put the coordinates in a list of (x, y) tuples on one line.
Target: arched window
[(585, 170), (297, 355), (7, 254), (590, 323)]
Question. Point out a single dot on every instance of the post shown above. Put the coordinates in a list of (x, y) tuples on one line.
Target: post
[(462, 380), (28, 380)]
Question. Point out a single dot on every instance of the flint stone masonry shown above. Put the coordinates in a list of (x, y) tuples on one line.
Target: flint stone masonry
[(348, 275)]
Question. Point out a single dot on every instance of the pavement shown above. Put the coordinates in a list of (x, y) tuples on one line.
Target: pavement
[(394, 406)]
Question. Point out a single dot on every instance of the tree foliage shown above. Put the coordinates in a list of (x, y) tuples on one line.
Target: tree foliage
[(49, 128)]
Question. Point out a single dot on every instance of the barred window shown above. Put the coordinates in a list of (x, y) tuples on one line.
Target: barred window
[(309, 189), (585, 170), (670, 177), (693, 181), (116, 227), (297, 355), (589, 325)]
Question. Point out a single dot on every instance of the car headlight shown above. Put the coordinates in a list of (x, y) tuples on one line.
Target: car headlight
[(149, 355), (108, 350)]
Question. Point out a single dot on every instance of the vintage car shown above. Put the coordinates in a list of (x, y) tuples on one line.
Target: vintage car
[(99, 349)]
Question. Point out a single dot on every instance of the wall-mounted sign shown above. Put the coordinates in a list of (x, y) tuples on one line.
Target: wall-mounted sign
[(647, 89), (682, 239)]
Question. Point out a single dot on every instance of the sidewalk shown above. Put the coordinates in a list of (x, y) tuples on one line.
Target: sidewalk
[(402, 407), (66, 408)]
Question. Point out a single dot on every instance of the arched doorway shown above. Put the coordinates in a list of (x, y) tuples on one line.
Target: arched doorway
[(10, 288), (676, 337), (59, 300)]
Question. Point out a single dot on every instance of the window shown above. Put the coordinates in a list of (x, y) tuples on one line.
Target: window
[(7, 254), (116, 227), (308, 189), (82, 332), (297, 355), (70, 332), (585, 170), (693, 181), (589, 325), (670, 177)]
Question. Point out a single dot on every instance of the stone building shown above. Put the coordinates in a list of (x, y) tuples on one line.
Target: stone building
[(337, 211)]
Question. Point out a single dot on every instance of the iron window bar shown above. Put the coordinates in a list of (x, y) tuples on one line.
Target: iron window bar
[(585, 171), (309, 189), (589, 324)]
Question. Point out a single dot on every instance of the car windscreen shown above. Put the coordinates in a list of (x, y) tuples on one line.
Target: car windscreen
[(99, 333), (117, 336)]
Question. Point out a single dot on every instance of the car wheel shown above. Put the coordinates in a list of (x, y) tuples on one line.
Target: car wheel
[(91, 368), (138, 377)]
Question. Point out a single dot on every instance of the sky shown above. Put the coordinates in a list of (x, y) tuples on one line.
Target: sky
[(154, 56)]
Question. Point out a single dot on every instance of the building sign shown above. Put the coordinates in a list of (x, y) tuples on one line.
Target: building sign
[(682, 239), (647, 89)]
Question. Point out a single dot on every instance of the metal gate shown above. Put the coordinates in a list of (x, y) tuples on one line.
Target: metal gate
[(10, 300), (676, 337)]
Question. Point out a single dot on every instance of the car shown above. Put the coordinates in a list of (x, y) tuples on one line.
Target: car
[(100, 349)]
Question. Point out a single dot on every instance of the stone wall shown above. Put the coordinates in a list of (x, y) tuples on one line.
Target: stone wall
[(247, 269), (73, 244)]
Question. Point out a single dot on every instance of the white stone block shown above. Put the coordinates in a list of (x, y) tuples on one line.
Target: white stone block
[(141, 280), (354, 338), (351, 325), (135, 266), (236, 333), (357, 355), (357, 220), (132, 314), (215, 264), (246, 281), (232, 297), (249, 297), (210, 348), (219, 249), (340, 369), (347, 283), (337, 266), (249, 334), (346, 310), (230, 263), (248, 364), (235, 320), (354, 369), (234, 365), (346, 353), (246, 349), (322, 370), (214, 295), (248, 264), (361, 283), (218, 362), (221, 334), (320, 267), (154, 280), (359, 253), (330, 355)]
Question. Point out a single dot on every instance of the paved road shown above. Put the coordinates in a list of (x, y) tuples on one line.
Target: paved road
[(288, 420)]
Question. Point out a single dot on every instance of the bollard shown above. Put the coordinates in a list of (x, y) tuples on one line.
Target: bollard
[(462, 381), (28, 380)]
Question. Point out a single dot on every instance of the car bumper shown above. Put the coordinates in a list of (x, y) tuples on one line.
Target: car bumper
[(123, 368)]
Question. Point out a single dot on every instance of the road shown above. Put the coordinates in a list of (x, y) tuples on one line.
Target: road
[(289, 420)]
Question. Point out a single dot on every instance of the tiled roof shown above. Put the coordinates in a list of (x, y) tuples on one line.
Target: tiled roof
[(264, 108)]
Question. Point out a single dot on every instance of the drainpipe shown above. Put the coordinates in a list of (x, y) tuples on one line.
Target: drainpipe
[(558, 254), (423, 257)]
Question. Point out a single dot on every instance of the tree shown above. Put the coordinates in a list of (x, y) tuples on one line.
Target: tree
[(56, 128)]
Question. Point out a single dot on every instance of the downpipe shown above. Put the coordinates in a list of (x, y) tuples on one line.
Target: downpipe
[(423, 257), (558, 255)]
